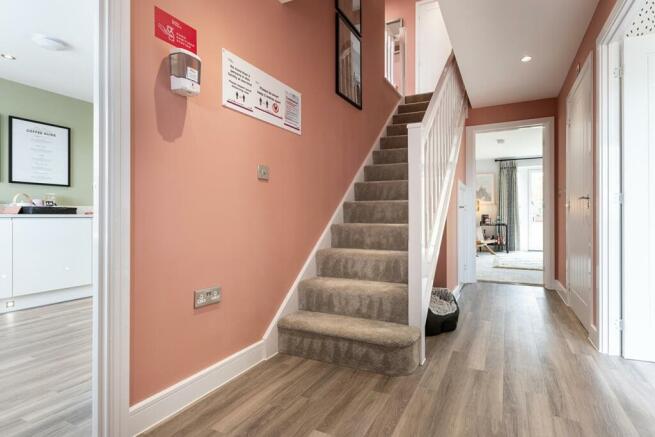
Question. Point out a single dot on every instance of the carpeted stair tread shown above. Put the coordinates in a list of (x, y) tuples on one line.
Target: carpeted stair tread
[(376, 211), (373, 300), (373, 236), (376, 332), (416, 98), (394, 142), (413, 107), (382, 190), (365, 264), (386, 172), (409, 117), (397, 129)]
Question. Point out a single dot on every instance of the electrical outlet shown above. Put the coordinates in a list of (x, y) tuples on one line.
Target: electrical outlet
[(263, 172), (206, 296)]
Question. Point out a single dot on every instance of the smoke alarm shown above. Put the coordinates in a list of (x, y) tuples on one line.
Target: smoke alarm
[(48, 42), (500, 141)]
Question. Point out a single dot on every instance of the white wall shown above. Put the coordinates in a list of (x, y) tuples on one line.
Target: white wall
[(488, 166)]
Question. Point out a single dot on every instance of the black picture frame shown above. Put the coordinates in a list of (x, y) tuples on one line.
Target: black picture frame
[(354, 96), (353, 16), (11, 154)]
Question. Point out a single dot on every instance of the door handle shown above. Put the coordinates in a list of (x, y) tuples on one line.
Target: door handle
[(584, 198)]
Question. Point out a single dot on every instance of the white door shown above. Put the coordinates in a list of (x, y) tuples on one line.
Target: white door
[(535, 209), (579, 186), (432, 45), (639, 198)]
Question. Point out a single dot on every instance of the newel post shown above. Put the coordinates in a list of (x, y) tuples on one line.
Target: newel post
[(416, 247)]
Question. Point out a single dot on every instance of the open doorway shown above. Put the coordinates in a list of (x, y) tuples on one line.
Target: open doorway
[(511, 167), (509, 206), (47, 290)]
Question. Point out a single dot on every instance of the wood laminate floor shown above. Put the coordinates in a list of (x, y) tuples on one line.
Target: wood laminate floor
[(45, 371), (518, 365)]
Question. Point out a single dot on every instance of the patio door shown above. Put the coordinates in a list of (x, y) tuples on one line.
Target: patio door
[(536, 209)]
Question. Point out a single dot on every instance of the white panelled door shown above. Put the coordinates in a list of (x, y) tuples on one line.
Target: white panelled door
[(432, 45), (579, 186), (639, 198)]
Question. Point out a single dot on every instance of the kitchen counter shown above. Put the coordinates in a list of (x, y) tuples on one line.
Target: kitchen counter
[(45, 216)]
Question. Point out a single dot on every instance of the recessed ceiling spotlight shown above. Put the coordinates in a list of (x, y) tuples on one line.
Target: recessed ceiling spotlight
[(48, 42), (7, 56), (526, 59)]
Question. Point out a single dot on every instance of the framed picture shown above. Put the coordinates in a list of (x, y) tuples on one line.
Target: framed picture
[(348, 62), (39, 153), (352, 11), (485, 189)]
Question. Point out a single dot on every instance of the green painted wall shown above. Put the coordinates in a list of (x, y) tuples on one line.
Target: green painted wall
[(39, 105)]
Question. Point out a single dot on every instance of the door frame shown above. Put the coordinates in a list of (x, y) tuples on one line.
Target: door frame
[(608, 177), (586, 72), (463, 236), (112, 186), (548, 154)]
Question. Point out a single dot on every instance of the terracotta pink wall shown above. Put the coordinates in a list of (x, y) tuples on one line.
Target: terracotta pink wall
[(587, 46), (512, 112), (447, 265), (405, 9), (199, 215)]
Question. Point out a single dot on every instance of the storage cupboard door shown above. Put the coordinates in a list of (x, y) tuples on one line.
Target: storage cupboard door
[(52, 254), (5, 258)]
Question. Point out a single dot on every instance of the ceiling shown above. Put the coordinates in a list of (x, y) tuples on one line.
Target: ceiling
[(519, 143), (68, 72), (490, 38)]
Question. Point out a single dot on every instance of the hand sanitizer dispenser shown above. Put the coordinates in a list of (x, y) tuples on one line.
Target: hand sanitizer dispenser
[(185, 72)]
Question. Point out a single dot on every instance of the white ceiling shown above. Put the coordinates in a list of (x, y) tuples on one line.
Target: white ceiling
[(519, 143), (68, 72), (490, 37)]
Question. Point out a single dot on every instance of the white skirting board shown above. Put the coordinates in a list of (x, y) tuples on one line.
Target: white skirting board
[(159, 407), (562, 292), (457, 292), (46, 298)]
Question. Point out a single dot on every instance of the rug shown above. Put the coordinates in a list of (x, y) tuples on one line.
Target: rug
[(520, 261)]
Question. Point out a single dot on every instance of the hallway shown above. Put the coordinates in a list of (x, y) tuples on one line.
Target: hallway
[(519, 364)]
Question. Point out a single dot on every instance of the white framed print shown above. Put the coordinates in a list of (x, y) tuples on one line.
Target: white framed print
[(39, 153), (485, 188)]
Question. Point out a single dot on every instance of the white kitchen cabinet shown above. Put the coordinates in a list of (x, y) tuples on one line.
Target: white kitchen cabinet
[(5, 258), (51, 254)]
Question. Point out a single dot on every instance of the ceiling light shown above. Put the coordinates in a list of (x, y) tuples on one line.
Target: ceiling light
[(7, 56), (526, 58), (49, 43)]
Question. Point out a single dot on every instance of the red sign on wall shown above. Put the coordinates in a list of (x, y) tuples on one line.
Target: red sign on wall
[(175, 32)]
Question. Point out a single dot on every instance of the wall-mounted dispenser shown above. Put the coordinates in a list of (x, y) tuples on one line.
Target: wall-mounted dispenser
[(185, 72)]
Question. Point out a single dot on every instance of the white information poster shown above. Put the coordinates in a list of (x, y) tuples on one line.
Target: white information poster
[(39, 153), (250, 91)]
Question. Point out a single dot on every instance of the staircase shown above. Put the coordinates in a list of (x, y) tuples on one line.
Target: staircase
[(355, 313)]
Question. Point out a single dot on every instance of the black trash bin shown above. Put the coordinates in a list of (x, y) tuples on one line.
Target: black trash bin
[(443, 313)]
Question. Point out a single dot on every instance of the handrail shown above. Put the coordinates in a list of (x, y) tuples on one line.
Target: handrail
[(433, 148)]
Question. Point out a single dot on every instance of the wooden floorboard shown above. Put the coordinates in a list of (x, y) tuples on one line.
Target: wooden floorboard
[(519, 364), (45, 371)]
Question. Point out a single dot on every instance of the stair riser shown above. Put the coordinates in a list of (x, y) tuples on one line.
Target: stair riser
[(413, 107), (418, 98), (397, 129), (390, 156), (395, 172), (354, 212), (387, 307), (370, 237), (392, 190), (399, 142), (383, 268), (349, 353), (408, 118)]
